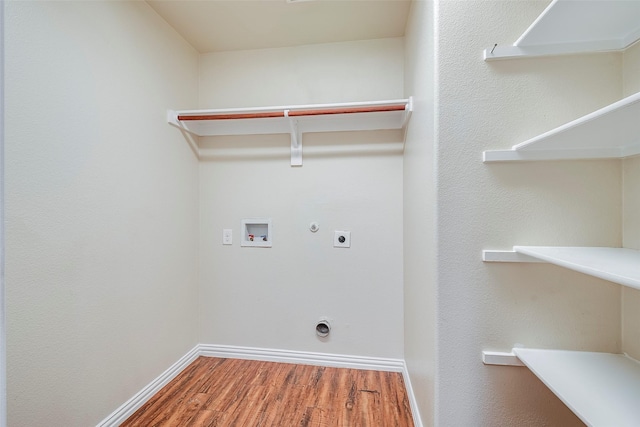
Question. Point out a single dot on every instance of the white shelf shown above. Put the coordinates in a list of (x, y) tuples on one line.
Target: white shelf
[(611, 132), (602, 389), (295, 120), (574, 26), (618, 265), (319, 118)]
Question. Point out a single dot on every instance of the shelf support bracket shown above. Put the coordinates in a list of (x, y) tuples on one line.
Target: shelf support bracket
[(507, 256), (501, 358), (172, 119), (296, 141)]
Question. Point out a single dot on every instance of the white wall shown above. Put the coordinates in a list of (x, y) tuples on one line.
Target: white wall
[(631, 167), (313, 74), (102, 196), (494, 105), (3, 317), (349, 181), (631, 213), (103, 205), (419, 209)]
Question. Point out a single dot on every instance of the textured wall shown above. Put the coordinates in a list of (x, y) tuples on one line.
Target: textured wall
[(349, 181), (419, 209), (101, 232), (495, 105)]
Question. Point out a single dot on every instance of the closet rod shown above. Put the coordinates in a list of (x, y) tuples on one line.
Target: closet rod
[(348, 110), (233, 116), (299, 113)]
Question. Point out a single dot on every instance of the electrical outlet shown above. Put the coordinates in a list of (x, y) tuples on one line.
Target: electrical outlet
[(342, 239)]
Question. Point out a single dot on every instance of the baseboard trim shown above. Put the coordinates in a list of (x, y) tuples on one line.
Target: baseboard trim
[(118, 416), (413, 403), (302, 357)]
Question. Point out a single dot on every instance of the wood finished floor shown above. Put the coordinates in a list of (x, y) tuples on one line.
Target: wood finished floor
[(231, 392)]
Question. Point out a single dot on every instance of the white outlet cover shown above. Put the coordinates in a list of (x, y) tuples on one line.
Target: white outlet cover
[(227, 236), (336, 239)]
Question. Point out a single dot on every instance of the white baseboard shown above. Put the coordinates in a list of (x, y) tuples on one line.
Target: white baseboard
[(415, 412), (118, 416), (302, 357), (271, 355)]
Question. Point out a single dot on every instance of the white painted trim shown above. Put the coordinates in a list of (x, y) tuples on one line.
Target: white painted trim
[(302, 357), (514, 155), (516, 52), (118, 416), (415, 412)]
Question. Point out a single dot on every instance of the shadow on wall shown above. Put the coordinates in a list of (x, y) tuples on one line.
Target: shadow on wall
[(314, 145)]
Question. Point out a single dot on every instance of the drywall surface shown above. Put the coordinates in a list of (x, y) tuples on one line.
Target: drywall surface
[(492, 306), (631, 219), (631, 297), (419, 210), (631, 213), (273, 297), (3, 317), (101, 231), (314, 74), (631, 70), (631, 167)]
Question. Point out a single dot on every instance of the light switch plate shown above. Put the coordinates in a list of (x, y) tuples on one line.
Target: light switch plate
[(341, 239), (227, 236)]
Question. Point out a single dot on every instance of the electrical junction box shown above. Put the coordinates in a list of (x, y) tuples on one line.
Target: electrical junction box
[(342, 239)]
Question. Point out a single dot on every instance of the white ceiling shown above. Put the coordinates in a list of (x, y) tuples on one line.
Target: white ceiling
[(223, 25)]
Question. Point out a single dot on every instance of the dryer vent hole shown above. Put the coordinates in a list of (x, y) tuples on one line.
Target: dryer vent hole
[(322, 329)]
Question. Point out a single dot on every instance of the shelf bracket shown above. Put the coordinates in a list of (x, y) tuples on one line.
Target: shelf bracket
[(501, 358), (537, 155), (296, 141), (172, 119), (507, 256), (407, 112)]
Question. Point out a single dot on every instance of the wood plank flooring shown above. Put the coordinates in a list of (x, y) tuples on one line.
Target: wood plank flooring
[(231, 392)]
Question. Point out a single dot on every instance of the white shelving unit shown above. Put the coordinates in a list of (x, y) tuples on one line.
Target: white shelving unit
[(602, 389), (574, 26), (618, 265), (611, 132), (295, 120)]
